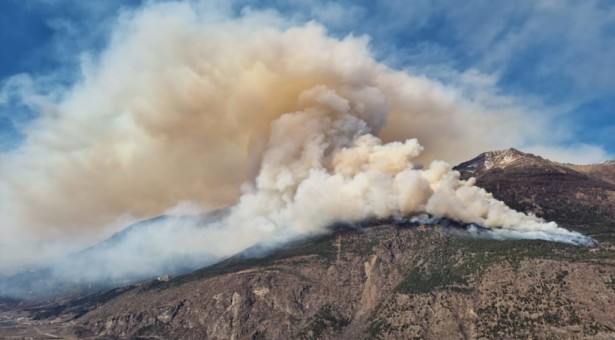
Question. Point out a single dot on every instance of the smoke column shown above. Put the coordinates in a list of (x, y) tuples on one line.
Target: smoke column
[(291, 128)]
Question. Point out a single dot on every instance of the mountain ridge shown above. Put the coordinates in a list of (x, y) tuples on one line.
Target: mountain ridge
[(549, 189), (385, 281), (513, 158)]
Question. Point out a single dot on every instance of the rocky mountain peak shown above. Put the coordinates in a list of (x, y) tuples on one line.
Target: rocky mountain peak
[(511, 158), (503, 158), (555, 191)]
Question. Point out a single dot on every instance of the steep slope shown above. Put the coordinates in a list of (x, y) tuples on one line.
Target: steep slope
[(512, 160), (61, 279), (386, 281), (381, 282), (604, 171), (551, 190)]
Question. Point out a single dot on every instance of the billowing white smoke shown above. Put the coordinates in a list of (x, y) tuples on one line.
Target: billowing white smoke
[(323, 165), (284, 124)]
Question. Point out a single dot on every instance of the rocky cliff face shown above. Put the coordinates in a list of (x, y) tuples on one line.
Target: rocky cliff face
[(378, 282), (383, 282)]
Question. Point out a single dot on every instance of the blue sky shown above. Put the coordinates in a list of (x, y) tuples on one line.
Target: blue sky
[(557, 56)]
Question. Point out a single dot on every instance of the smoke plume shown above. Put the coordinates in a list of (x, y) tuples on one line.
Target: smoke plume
[(292, 129)]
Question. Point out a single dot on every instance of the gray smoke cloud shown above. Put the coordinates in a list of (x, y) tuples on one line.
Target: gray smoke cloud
[(291, 128)]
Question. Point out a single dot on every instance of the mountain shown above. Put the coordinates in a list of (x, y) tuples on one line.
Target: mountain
[(604, 171), (63, 277), (385, 281), (511, 161), (380, 280), (574, 196)]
